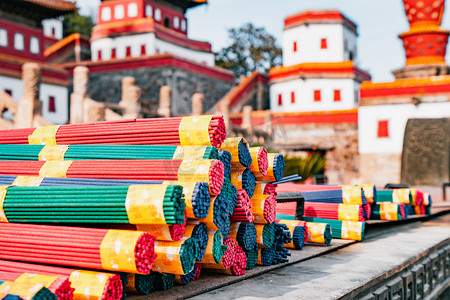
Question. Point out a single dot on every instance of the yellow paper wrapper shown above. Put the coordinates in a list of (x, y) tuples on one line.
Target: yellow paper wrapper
[(3, 218), (189, 152), (388, 211), (412, 197), (45, 135), (259, 188), (168, 257), (53, 152), (236, 179), (316, 232), (258, 202), (403, 196), (144, 204), (195, 130), (194, 170), (348, 212), (259, 235), (160, 231), (234, 227), (55, 169), (25, 291), (368, 191), (27, 181), (117, 250), (131, 284), (88, 285), (426, 199), (46, 280), (351, 230), (351, 194)]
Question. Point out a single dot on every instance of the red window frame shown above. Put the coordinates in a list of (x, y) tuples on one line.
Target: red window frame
[(294, 47), (51, 104), (383, 129), (280, 99), (317, 96), (113, 53), (337, 95), (292, 97), (99, 54), (323, 43), (128, 51), (143, 50)]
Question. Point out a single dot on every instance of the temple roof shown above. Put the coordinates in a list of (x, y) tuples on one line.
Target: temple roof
[(37, 10), (318, 17)]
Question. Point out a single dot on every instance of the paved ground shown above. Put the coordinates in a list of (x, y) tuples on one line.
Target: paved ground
[(338, 273)]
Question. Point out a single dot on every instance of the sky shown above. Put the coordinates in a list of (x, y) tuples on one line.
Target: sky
[(379, 22)]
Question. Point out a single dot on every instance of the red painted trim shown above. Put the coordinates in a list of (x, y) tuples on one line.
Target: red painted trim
[(155, 61), (383, 129), (403, 91), (279, 73), (46, 74), (313, 118), (148, 25), (318, 15)]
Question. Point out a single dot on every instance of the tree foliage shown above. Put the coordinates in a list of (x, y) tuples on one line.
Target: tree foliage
[(252, 49), (75, 23), (306, 167)]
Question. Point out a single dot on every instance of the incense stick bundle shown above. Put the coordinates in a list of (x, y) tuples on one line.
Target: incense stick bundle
[(243, 210), (266, 189), (265, 235), (319, 233), (244, 234), (395, 196), (204, 130), (298, 232), (162, 232), (101, 285), (243, 180), (233, 261), (140, 204), (175, 257), (264, 208), (275, 170), (282, 237), (347, 230), (210, 171), (105, 152), (240, 152), (58, 285), (388, 211), (114, 250)]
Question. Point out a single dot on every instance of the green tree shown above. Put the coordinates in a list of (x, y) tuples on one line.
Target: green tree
[(306, 167), (75, 23), (252, 49)]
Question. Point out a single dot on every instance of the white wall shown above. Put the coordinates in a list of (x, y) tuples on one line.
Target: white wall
[(304, 94), (397, 116), (121, 43), (198, 56), (61, 94), (48, 24), (308, 38)]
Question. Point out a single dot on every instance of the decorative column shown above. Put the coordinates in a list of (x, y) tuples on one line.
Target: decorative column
[(80, 83), (29, 105), (164, 101), (131, 95), (197, 104)]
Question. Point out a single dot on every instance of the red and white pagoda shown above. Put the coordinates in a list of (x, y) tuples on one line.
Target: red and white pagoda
[(133, 28), (421, 90)]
